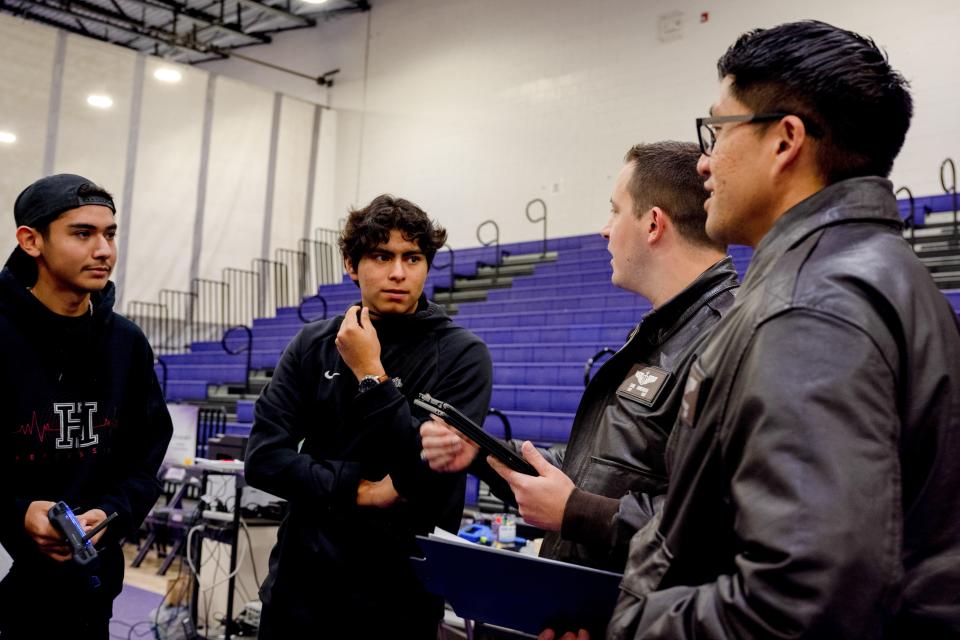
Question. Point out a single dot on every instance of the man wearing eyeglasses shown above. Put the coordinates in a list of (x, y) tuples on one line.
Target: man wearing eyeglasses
[(814, 476)]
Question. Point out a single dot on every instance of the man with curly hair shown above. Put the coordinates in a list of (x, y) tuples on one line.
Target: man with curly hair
[(336, 436)]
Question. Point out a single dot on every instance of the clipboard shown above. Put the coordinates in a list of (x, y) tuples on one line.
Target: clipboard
[(516, 591), (488, 443)]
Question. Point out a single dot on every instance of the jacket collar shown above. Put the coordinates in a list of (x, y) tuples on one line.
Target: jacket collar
[(674, 312), (869, 199)]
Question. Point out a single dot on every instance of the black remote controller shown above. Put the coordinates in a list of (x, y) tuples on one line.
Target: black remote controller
[(456, 419), (62, 518)]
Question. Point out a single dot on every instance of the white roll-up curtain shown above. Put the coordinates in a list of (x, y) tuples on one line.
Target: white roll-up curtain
[(292, 173), (165, 188), (26, 52), (237, 178), (91, 140)]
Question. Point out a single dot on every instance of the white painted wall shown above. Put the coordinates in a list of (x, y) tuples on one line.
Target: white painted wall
[(474, 107), (469, 107), (160, 220)]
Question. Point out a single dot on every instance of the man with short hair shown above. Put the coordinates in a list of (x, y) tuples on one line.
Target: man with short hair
[(336, 436), (816, 490), (594, 493), (84, 420)]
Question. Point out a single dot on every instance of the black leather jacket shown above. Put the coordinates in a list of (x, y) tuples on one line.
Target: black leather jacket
[(615, 455), (815, 467)]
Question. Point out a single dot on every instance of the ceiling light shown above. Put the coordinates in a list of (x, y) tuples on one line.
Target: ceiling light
[(167, 74), (99, 101), (315, 1), (7, 138)]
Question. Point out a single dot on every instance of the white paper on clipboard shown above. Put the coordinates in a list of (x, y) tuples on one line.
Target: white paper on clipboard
[(6, 563)]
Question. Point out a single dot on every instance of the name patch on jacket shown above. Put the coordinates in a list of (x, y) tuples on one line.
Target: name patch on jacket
[(644, 384)]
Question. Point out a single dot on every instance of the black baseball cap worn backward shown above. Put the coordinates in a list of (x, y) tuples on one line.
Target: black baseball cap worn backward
[(44, 200)]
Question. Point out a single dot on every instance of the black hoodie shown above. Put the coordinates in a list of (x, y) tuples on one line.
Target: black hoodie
[(335, 561), (83, 421)]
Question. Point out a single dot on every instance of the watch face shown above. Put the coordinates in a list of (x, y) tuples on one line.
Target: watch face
[(368, 383)]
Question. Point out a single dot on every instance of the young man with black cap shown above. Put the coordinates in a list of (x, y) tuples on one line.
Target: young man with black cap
[(336, 435), (83, 420)]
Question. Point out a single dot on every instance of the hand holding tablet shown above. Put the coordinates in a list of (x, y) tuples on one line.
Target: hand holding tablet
[(489, 444)]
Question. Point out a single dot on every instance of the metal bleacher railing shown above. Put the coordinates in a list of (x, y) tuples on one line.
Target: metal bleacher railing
[(932, 227), (592, 360), (204, 312), (504, 420), (165, 374), (495, 241), (247, 348), (274, 286), (451, 262), (300, 309), (910, 222), (951, 190), (542, 218)]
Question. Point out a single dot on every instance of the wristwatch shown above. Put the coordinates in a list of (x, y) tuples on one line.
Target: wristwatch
[(371, 381)]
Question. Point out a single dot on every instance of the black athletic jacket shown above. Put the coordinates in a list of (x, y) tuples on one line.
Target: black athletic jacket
[(335, 562), (615, 455), (83, 421), (818, 492)]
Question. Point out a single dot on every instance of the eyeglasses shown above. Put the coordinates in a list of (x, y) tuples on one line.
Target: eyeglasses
[(707, 135)]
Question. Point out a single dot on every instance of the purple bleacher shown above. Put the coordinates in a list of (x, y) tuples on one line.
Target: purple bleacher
[(245, 411), (265, 358), (472, 495), (580, 277), (942, 202), (560, 290), (202, 356), (544, 398), (237, 428), (605, 333), (211, 373), (544, 301), (544, 352), (197, 347), (953, 296), (540, 333), (180, 390), (551, 318), (538, 373), (539, 426)]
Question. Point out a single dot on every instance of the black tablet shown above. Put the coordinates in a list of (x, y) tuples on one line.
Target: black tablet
[(489, 444)]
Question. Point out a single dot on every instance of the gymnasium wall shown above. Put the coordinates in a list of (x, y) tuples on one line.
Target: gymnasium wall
[(474, 107), (208, 172), (469, 107)]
